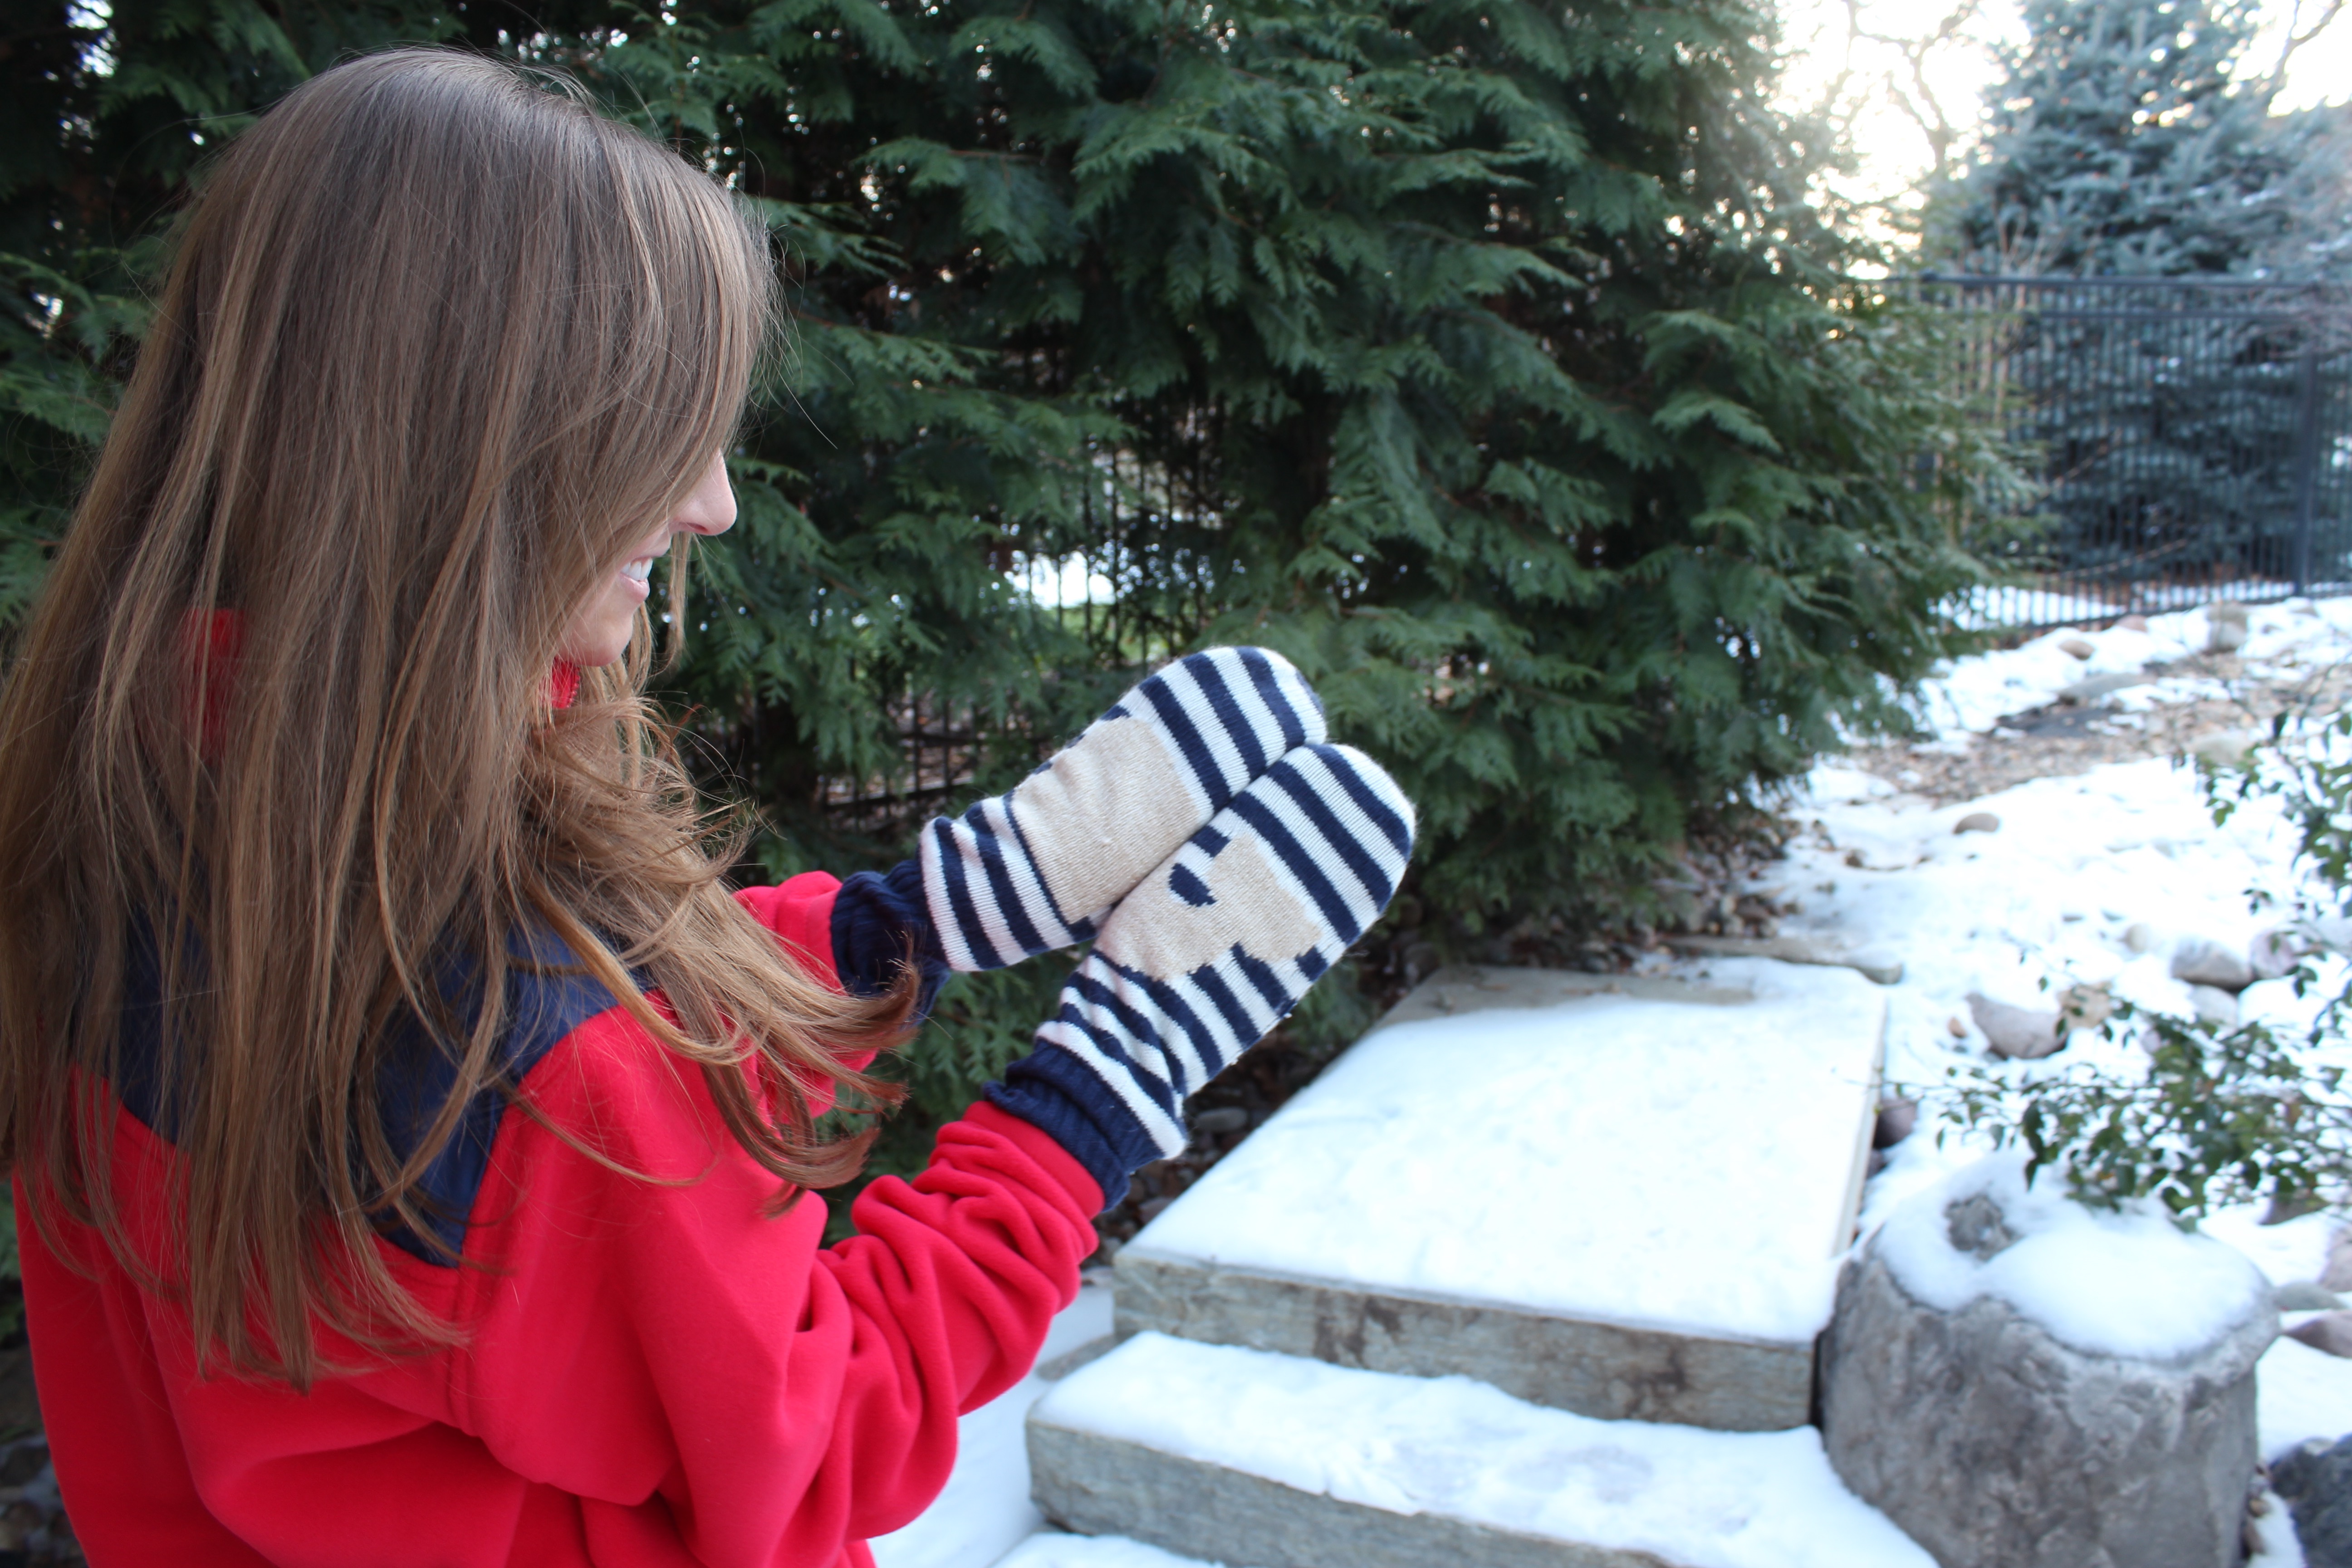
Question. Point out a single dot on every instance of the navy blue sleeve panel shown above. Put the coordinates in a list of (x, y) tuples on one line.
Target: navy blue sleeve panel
[(881, 921), (547, 998), (543, 1004)]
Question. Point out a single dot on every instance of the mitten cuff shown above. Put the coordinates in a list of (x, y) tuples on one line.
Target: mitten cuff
[(1068, 1101), (881, 921)]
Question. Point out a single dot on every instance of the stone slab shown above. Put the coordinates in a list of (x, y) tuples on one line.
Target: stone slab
[(1279, 1461), (1594, 1368), (1621, 1196), (1101, 1486)]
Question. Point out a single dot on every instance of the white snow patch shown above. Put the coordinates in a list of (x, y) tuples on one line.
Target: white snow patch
[(1677, 1164), (2284, 1252), (2275, 1530), (2301, 1393), (1975, 692), (1056, 1551), (2129, 1283), (1461, 1450)]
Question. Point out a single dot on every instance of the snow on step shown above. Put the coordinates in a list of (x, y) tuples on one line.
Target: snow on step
[(1053, 1549), (1621, 1197), (1248, 1457)]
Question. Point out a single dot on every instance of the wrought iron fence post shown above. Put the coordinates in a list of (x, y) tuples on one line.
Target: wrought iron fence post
[(2307, 462)]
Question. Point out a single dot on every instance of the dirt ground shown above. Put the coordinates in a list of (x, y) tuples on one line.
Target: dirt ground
[(2060, 741)]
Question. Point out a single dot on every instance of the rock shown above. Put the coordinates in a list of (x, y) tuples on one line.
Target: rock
[(2286, 1205), (2085, 1007), (2214, 1006), (2132, 624), (2273, 954), (2226, 612), (2202, 963), (1958, 1031), (2305, 1296), (1897, 1118), (2338, 1275), (1977, 822), (1995, 1445), (2140, 937), (2091, 688), (2078, 647), (2225, 636), (2331, 1331), (2024, 1033), (2315, 1482), (2225, 747)]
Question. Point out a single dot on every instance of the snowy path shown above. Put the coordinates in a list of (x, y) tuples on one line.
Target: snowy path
[(2089, 879)]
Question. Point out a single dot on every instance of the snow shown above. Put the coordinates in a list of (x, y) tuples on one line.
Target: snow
[(985, 1508), (2284, 1252), (2122, 1284), (2045, 902), (1053, 1550), (2275, 1531), (1976, 692), (1599, 1159), (2048, 900), (1461, 1450), (2302, 1393)]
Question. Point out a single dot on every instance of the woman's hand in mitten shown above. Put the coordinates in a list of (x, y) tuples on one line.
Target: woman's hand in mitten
[(1035, 867), (1208, 954)]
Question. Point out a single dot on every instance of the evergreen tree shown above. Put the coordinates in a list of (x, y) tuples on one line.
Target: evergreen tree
[(1490, 361), (2136, 138)]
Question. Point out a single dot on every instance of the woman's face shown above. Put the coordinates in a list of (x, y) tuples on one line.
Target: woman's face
[(600, 628)]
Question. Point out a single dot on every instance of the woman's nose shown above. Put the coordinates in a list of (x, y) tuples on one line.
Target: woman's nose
[(710, 507)]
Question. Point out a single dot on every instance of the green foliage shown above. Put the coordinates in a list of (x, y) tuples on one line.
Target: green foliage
[(2221, 1115), (1490, 362)]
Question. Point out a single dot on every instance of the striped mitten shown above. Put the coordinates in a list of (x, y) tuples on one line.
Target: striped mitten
[(1034, 868), (1208, 954)]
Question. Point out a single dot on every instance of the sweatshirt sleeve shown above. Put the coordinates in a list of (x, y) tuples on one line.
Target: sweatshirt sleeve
[(666, 1342)]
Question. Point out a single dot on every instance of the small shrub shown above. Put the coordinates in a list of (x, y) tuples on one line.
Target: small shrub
[(2221, 1115)]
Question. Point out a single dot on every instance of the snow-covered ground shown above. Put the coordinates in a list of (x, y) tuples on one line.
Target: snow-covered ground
[(2092, 879), (2088, 879)]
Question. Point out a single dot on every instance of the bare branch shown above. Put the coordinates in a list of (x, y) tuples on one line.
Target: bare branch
[(2296, 40)]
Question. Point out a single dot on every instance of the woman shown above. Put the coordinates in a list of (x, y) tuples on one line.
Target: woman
[(406, 1118)]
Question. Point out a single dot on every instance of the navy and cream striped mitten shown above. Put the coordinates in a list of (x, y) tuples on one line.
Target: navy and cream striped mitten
[(1038, 867), (1208, 954)]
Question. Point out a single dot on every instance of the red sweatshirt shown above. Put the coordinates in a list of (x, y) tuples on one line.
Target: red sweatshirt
[(656, 1374)]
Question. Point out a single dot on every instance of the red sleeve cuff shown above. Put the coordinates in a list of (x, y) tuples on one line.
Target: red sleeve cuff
[(800, 911), (1040, 1146)]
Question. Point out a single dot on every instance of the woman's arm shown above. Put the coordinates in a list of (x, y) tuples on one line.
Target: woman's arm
[(665, 1350)]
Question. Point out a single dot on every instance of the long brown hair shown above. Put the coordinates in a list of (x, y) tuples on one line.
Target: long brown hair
[(438, 346)]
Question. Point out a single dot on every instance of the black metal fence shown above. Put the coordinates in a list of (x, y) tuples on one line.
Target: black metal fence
[(2193, 438)]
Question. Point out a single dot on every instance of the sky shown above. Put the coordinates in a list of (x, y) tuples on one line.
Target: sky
[(1895, 151)]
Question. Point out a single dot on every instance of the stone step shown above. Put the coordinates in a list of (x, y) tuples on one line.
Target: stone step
[(1247, 1458), (1619, 1196)]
